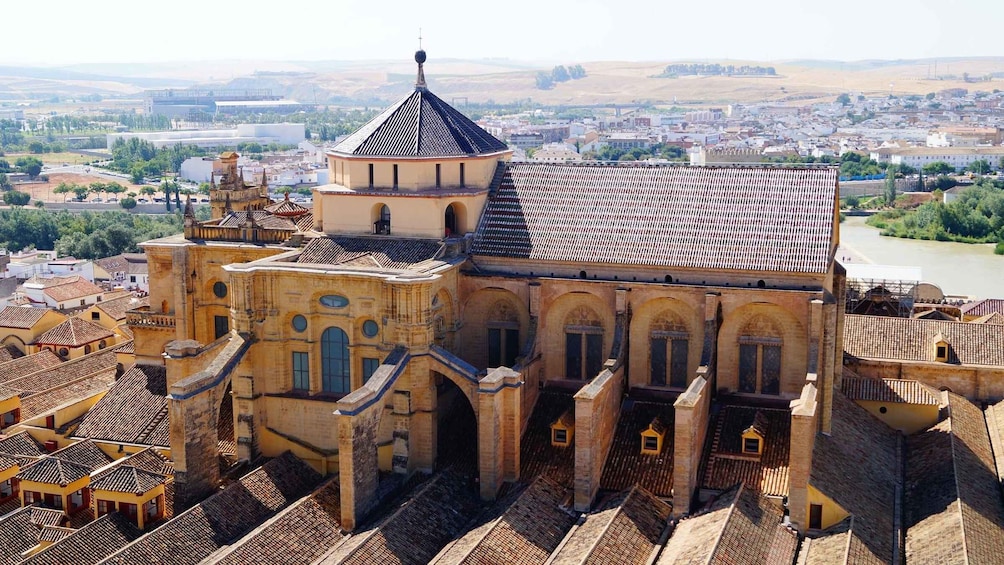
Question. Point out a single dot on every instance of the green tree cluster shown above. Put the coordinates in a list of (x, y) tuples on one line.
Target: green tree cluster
[(89, 235), (854, 164), (976, 216), (140, 158)]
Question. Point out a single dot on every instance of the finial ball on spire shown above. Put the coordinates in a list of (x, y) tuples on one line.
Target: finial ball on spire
[(420, 56)]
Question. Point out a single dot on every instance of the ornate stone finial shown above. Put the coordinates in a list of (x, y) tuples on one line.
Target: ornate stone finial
[(420, 59), (189, 209), (212, 179), (264, 179), (287, 196)]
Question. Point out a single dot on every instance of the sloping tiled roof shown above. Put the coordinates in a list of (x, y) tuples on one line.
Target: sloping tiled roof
[(46, 516), (417, 530), (420, 125), (74, 391), (21, 317), (537, 455), (299, 534), (221, 519), (991, 318), (52, 534), (9, 353), (526, 532), (626, 466), (855, 466), (287, 208), (954, 509), (984, 307), (61, 374), (727, 465), (741, 526), (995, 427), (17, 534), (84, 453), (72, 290), (129, 479), (151, 461), (118, 307), (20, 444), (374, 252), (74, 332), (53, 471), (752, 218), (265, 220), (622, 531), (89, 544), (132, 409), (906, 339), (889, 390), (27, 365)]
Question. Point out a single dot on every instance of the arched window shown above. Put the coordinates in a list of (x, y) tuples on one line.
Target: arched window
[(760, 357), (382, 225), (335, 361), (503, 335), (583, 344), (451, 221), (669, 347)]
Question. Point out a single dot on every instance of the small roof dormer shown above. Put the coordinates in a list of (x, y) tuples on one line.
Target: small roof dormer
[(652, 437), (563, 429), (754, 435), (940, 348)]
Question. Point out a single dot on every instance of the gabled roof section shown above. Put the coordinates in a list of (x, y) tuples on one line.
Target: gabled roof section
[(127, 479), (89, 544), (74, 332), (17, 534), (132, 410), (376, 253), (21, 317), (954, 509), (27, 365), (419, 125), (733, 218), (910, 339), (51, 470), (889, 390)]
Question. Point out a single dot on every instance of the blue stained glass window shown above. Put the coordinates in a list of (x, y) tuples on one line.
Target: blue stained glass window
[(335, 361)]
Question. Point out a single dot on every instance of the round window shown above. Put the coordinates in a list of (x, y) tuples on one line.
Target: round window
[(299, 323), (370, 328), (63, 352), (220, 289)]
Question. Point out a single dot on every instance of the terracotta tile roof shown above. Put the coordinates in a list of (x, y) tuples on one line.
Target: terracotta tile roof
[(906, 339), (9, 353), (527, 532), (995, 428), (113, 264), (27, 365), (829, 547), (626, 466), (118, 307), (132, 410), (375, 252), (537, 455), (287, 208), (72, 290), (984, 307), (727, 465), (53, 534), (17, 535), (75, 391), (420, 125), (61, 374), (74, 332), (265, 220), (299, 534), (221, 519), (741, 526), (624, 530), (20, 444), (90, 544), (889, 390), (855, 466), (750, 218), (47, 516), (991, 318), (419, 527), (21, 317), (151, 461), (954, 509), (53, 471), (84, 453), (128, 479)]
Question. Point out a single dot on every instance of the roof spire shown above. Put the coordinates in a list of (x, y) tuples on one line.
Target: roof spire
[(420, 59)]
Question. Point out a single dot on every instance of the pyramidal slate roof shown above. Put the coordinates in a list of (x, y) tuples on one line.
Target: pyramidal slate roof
[(420, 125), (744, 218)]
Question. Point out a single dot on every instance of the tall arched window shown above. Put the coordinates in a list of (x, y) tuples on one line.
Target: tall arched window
[(584, 353), (503, 335), (760, 357), (668, 345), (382, 226), (335, 361)]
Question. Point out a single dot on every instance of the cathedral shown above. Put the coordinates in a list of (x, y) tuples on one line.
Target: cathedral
[(614, 335)]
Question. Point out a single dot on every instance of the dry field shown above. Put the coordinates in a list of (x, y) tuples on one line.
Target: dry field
[(43, 191)]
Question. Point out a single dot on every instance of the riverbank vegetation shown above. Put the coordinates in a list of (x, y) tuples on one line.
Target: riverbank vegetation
[(976, 215)]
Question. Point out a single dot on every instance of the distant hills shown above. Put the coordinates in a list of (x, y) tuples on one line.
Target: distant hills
[(504, 80)]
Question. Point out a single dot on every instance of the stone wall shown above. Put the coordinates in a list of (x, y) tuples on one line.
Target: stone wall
[(804, 425), (689, 433), (974, 383), (597, 409)]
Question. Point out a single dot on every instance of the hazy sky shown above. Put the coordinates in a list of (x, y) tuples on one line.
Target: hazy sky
[(101, 31)]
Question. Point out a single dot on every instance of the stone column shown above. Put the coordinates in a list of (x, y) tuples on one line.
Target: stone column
[(803, 441), (689, 430)]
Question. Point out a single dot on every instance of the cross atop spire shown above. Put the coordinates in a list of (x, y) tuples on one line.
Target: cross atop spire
[(420, 59)]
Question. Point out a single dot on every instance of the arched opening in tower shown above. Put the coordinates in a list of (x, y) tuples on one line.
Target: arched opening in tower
[(457, 437), (225, 432)]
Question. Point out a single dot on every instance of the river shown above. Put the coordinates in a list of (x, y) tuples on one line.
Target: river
[(958, 268)]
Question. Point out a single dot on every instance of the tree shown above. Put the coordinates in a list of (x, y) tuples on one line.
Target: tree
[(938, 168), (844, 99), (16, 198), (544, 81), (136, 173), (5, 182), (929, 96), (560, 74), (29, 165), (128, 203), (148, 191), (97, 187), (80, 191), (852, 201), (63, 189), (36, 147), (114, 188), (980, 167), (890, 185)]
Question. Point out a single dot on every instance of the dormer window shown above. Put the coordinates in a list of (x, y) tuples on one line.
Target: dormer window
[(382, 225), (753, 436), (940, 348), (652, 437), (751, 445), (563, 429)]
